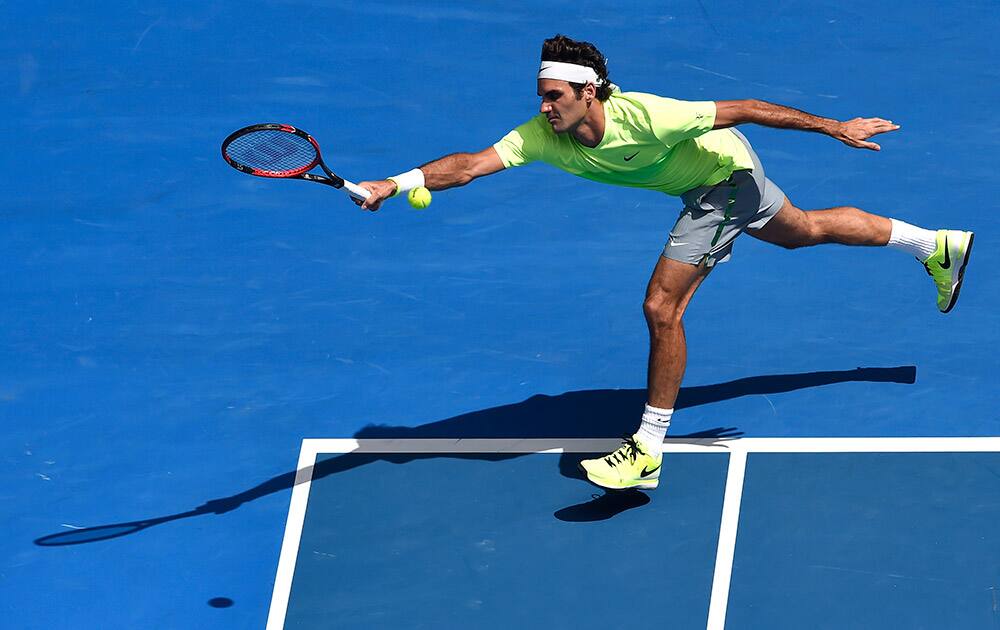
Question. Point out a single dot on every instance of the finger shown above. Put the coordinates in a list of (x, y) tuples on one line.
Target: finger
[(886, 130), (887, 123), (883, 128), (871, 145)]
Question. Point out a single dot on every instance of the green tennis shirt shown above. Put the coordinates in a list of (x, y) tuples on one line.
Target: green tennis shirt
[(649, 141)]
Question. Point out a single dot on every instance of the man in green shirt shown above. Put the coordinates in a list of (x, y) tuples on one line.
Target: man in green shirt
[(588, 127)]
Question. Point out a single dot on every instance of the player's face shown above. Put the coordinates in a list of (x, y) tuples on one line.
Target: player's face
[(560, 104)]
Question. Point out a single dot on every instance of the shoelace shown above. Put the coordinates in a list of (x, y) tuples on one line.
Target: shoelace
[(629, 450)]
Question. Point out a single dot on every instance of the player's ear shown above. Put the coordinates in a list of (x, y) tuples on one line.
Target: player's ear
[(590, 91)]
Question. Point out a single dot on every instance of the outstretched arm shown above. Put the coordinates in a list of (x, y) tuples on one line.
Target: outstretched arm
[(854, 132), (457, 169)]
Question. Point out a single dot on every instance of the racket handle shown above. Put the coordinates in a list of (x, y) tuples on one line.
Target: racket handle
[(356, 191)]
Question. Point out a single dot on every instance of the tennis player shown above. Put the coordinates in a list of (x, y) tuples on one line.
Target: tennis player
[(589, 128)]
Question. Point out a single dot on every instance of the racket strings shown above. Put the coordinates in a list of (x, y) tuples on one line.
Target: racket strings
[(273, 151)]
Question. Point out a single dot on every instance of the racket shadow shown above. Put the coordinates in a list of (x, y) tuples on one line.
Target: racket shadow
[(583, 414)]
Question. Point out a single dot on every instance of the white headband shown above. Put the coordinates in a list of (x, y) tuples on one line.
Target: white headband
[(571, 72)]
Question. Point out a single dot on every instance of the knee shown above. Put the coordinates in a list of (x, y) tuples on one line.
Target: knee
[(662, 313)]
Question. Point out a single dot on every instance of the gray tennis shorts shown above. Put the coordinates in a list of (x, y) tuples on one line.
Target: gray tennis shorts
[(713, 216)]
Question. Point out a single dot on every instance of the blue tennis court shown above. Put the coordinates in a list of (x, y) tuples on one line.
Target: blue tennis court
[(782, 531), (229, 402)]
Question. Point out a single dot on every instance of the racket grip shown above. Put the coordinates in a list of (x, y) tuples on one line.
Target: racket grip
[(356, 191)]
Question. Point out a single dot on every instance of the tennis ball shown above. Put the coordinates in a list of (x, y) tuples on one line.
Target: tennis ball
[(419, 197)]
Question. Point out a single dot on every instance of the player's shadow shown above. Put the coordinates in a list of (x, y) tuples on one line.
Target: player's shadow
[(584, 414)]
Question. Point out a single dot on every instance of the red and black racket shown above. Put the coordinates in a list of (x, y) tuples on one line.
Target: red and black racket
[(273, 150)]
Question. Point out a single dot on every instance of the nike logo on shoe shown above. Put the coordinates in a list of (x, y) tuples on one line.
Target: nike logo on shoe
[(629, 157), (646, 473), (947, 255)]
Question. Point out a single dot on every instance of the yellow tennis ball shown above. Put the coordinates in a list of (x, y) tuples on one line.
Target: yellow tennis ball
[(419, 197)]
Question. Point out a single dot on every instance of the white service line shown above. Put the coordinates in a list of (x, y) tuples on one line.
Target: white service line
[(727, 541), (867, 445), (670, 445), (290, 543), (504, 445)]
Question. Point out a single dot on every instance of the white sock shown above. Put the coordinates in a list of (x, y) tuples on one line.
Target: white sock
[(912, 240), (653, 428)]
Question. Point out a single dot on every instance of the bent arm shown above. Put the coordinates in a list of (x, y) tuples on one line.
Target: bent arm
[(853, 132), (457, 169)]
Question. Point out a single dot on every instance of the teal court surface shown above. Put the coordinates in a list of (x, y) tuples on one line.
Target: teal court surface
[(229, 403), (778, 532)]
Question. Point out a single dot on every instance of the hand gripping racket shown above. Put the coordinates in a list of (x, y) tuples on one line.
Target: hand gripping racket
[(273, 150)]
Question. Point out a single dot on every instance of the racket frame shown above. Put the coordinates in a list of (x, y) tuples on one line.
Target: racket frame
[(331, 179)]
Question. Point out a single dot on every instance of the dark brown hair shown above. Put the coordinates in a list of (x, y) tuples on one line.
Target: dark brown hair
[(562, 48)]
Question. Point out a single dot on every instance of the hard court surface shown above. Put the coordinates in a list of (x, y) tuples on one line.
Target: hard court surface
[(228, 402)]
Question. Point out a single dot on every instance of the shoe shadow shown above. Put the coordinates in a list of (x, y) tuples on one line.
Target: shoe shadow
[(583, 414), (602, 506)]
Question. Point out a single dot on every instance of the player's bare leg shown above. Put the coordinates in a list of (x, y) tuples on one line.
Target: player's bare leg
[(670, 289), (846, 225), (637, 463), (944, 253)]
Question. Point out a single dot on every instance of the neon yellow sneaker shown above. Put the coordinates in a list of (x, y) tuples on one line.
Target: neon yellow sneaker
[(628, 467), (947, 265)]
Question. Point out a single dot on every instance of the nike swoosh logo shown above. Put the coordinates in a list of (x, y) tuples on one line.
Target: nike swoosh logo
[(947, 255), (627, 158), (646, 473)]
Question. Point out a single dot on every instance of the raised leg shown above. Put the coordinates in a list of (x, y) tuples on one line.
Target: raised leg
[(846, 225)]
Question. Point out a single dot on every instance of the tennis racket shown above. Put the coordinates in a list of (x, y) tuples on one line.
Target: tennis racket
[(274, 150)]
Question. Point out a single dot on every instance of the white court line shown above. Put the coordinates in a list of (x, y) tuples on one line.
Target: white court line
[(727, 541), (737, 448), (290, 544)]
